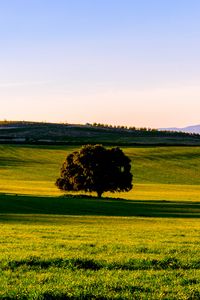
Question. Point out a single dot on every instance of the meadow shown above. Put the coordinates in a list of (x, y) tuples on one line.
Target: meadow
[(159, 173), (71, 257), (138, 245)]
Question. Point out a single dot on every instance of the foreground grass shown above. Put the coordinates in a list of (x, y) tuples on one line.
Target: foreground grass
[(79, 247), (70, 257)]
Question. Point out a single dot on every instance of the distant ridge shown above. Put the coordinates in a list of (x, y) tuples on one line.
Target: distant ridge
[(188, 129), (22, 132)]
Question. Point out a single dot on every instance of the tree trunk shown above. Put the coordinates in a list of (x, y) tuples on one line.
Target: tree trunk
[(99, 194)]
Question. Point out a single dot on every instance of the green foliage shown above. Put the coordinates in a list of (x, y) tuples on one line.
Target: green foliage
[(96, 169)]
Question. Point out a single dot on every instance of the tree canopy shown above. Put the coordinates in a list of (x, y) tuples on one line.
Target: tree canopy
[(96, 169)]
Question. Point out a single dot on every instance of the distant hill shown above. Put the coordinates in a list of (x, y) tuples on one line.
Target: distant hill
[(75, 134), (189, 129)]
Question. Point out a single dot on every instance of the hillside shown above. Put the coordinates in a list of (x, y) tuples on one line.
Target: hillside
[(56, 246), (159, 173), (52, 133)]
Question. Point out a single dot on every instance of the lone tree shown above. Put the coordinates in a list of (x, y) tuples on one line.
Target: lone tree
[(96, 169)]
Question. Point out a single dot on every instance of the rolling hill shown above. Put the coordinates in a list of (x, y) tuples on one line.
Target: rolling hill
[(75, 134)]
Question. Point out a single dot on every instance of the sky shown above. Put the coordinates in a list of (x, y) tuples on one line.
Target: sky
[(119, 62)]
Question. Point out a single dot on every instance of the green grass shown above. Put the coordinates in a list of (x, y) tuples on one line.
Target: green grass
[(159, 173), (83, 205), (143, 245), (70, 257)]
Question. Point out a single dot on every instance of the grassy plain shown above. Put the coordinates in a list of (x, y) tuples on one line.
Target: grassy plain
[(87, 257), (144, 245), (160, 173)]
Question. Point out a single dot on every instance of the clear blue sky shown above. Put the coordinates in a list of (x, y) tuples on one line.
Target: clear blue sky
[(110, 61)]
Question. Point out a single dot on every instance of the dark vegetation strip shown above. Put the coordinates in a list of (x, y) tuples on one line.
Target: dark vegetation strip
[(134, 292), (93, 206), (65, 134), (83, 294), (51, 295), (75, 142), (167, 263)]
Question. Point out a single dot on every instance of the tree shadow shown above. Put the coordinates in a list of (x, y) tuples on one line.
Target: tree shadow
[(81, 205)]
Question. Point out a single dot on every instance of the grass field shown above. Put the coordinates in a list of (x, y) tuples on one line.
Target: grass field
[(159, 173), (87, 257), (143, 245)]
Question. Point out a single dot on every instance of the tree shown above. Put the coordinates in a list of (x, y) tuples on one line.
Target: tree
[(96, 169)]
